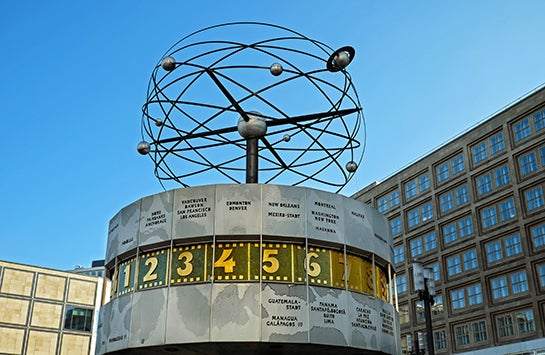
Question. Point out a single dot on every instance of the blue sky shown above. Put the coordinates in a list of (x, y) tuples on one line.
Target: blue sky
[(74, 77)]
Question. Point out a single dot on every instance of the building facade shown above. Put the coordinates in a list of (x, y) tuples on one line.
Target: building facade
[(45, 311), (474, 211)]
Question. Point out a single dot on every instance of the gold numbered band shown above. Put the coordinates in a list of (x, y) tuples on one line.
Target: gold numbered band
[(249, 261)]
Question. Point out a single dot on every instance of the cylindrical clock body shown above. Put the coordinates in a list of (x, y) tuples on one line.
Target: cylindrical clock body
[(249, 268)]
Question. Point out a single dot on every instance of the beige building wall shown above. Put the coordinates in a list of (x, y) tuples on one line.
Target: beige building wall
[(40, 310)]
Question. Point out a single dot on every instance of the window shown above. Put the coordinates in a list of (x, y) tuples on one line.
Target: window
[(466, 227), (78, 319), (484, 184), (521, 129), (429, 242), (443, 172), (519, 282), (424, 182), (499, 287), (461, 195), (470, 260), (513, 245), (465, 261), (394, 199), (449, 233), (416, 247), (416, 186), (404, 314), (457, 196), (479, 152), (462, 334), (395, 226), (389, 201), (479, 331), (488, 147), (488, 217), (509, 246), (413, 217), (514, 284), (494, 251), (436, 274), (382, 204), (440, 339), (437, 307), (399, 254), (471, 332), (458, 299), (505, 210), (501, 176), (410, 189), (462, 228), (538, 235), (419, 310), (525, 320), (474, 294), (450, 168), (457, 164), (446, 201), (505, 326), (401, 283), (454, 265), (427, 211), (496, 143), (534, 198), (541, 274), (528, 163), (539, 120), (515, 323)]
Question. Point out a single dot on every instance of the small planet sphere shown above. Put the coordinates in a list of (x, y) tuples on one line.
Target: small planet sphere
[(276, 69), (342, 59), (143, 148), (168, 63), (351, 166)]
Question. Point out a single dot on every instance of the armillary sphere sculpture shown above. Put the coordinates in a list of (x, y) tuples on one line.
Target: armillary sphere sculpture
[(231, 102)]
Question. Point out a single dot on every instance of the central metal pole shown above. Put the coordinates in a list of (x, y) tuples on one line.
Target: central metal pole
[(252, 158)]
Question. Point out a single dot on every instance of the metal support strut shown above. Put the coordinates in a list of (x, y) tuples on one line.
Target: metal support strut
[(252, 158)]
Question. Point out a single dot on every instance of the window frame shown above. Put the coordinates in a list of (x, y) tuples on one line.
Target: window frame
[(514, 324), (494, 214), (508, 286), (70, 324)]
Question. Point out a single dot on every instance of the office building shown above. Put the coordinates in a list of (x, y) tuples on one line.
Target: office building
[(474, 211), (45, 311)]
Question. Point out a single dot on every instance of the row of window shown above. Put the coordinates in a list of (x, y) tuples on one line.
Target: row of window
[(466, 297), (486, 183), (501, 287), (491, 216), (507, 326), (495, 251), (528, 162)]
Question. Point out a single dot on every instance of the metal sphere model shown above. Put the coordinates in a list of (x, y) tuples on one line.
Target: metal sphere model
[(253, 102)]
